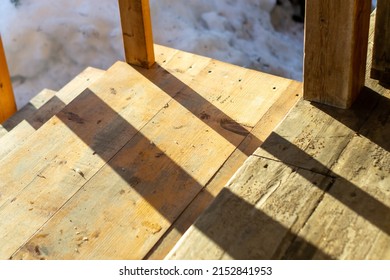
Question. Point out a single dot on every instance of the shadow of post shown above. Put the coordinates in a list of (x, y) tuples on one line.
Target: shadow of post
[(163, 190)]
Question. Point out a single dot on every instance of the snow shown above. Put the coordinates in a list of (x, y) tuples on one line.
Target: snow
[(47, 42)]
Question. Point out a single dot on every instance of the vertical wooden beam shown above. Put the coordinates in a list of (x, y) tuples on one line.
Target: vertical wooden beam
[(7, 99), (336, 39), (380, 69), (137, 32)]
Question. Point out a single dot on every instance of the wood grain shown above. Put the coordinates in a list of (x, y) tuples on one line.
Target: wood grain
[(137, 32), (57, 160), (336, 34), (41, 108), (351, 222), (128, 205), (288, 97), (252, 217)]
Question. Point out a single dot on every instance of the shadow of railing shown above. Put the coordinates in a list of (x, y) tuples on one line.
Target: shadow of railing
[(344, 191), (164, 188), (171, 190), (369, 104)]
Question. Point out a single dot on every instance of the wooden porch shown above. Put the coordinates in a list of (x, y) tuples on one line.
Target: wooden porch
[(193, 158)]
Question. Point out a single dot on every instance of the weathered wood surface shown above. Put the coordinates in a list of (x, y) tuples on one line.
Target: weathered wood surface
[(349, 201), (352, 220), (29, 109), (15, 138), (7, 99), (137, 32), (41, 108), (381, 54), (336, 34), (276, 191), (258, 135), (252, 218), (58, 159), (197, 119), (46, 103)]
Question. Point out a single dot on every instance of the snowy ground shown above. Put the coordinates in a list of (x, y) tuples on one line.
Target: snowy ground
[(48, 42)]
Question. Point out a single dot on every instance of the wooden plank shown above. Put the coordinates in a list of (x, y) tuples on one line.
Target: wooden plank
[(315, 130), (45, 104), (137, 32), (160, 171), (381, 55), (355, 226), (67, 151), (27, 111), (15, 138), (41, 108), (256, 215), (336, 34), (288, 97), (7, 99), (307, 143), (35, 109), (77, 85), (3, 131)]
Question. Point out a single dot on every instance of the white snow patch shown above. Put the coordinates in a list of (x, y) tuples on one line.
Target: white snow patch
[(49, 42)]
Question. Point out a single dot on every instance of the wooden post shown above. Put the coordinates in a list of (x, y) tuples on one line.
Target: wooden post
[(137, 32), (7, 99), (336, 39), (380, 69)]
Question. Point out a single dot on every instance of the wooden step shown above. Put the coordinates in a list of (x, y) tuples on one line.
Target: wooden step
[(26, 112), (317, 188), (124, 169), (18, 125), (41, 108), (64, 96)]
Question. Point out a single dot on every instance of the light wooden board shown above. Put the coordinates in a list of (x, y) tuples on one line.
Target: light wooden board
[(15, 138), (3, 131), (46, 104), (123, 210), (352, 221), (336, 34), (20, 128), (258, 134), (41, 108), (55, 162), (256, 216), (261, 211), (27, 111)]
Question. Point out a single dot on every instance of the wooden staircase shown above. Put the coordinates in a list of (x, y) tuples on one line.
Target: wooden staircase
[(317, 188), (40, 109), (118, 164), (194, 158)]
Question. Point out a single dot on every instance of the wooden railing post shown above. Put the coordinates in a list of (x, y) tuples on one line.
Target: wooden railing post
[(380, 69), (7, 99), (137, 32), (336, 39)]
